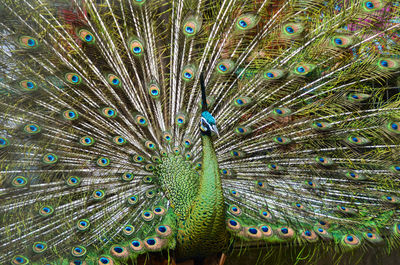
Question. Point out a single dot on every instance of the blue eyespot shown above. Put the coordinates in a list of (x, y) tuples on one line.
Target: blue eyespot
[(77, 262), (104, 260), (307, 233), (110, 112), (298, 205), (115, 81), (39, 246), (157, 210), (128, 228), (343, 208), (321, 159), (260, 184), (319, 124), (253, 231), (265, 228), (352, 175), (241, 130), (279, 139), (189, 30), (180, 121), (395, 126), (146, 214), (322, 222), (284, 230), (233, 222), (154, 92), (265, 213), (135, 243), (310, 183), (20, 180), (137, 50), (98, 193), (389, 198), (350, 238), (279, 111), (188, 75), (301, 69), (369, 5), (369, 235), (142, 121), (74, 78), (31, 42), (384, 63), (320, 230), (234, 209), (79, 250), (33, 128), (355, 96), (30, 85), (47, 210), (2, 141), (289, 30), (233, 192), (270, 75), (223, 68), (338, 41), (397, 168), (162, 229), (239, 101), (83, 223), (118, 250), (151, 241), (243, 23), (354, 139), (88, 37)]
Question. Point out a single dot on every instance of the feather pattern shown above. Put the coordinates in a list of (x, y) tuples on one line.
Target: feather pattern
[(110, 114)]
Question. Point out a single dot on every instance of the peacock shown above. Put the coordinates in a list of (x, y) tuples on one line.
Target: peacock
[(191, 128)]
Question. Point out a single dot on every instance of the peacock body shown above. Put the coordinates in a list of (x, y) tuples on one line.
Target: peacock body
[(194, 126)]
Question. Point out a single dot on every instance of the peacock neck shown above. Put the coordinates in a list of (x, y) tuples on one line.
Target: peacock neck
[(204, 230)]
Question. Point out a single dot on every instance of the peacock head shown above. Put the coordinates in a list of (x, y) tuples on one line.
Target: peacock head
[(208, 124)]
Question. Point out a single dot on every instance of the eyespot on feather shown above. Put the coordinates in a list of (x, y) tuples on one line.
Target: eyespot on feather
[(108, 112), (86, 36), (86, 140), (73, 181), (98, 195), (191, 25), (78, 251), (136, 47), (70, 115), (246, 21), (46, 211), (19, 182), (154, 90), (73, 78), (292, 30), (28, 42), (225, 66), (28, 85), (303, 69), (114, 80), (50, 159), (103, 161), (4, 142), (39, 247), (83, 225), (274, 74)]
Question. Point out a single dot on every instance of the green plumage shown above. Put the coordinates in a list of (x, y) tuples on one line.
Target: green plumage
[(113, 145)]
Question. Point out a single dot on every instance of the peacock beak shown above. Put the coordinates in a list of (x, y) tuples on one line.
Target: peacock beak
[(214, 129)]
